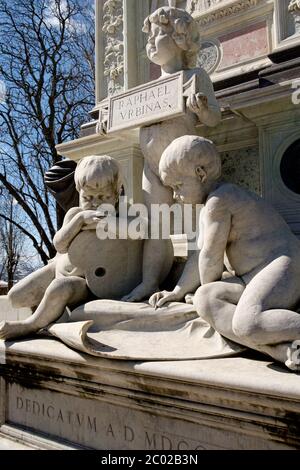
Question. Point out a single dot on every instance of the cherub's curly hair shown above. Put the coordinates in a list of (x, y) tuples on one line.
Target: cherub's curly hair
[(98, 170), (190, 150), (185, 31)]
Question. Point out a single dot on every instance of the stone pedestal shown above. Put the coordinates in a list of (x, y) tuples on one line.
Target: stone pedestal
[(53, 397), (7, 312), (123, 146)]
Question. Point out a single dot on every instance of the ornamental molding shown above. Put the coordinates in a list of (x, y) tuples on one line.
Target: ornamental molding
[(113, 45), (214, 10), (210, 55)]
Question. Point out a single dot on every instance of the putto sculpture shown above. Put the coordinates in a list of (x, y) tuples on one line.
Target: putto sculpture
[(59, 284), (250, 302), (239, 289)]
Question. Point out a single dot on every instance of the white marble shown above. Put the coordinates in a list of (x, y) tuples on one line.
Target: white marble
[(173, 45), (146, 104), (7, 312), (10, 444), (254, 305), (294, 9)]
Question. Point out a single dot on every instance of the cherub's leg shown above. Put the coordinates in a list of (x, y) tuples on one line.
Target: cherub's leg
[(158, 254), (264, 313), (62, 292), (216, 304), (29, 292)]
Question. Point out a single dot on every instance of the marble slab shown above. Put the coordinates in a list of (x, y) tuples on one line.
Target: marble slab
[(7, 312), (152, 102)]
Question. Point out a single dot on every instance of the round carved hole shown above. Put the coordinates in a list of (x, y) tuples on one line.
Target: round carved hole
[(100, 272), (290, 167)]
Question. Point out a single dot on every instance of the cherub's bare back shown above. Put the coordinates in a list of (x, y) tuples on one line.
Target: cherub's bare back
[(258, 235)]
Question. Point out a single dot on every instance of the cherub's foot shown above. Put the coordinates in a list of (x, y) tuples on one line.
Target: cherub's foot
[(141, 292), (11, 330), (189, 299), (293, 357)]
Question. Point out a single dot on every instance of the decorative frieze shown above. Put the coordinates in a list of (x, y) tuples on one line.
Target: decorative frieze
[(114, 45), (219, 9), (201, 5)]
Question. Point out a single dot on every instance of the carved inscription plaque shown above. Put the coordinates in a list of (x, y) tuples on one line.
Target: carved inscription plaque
[(99, 423), (153, 102)]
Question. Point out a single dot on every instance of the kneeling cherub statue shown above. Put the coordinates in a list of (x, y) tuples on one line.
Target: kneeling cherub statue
[(249, 260)]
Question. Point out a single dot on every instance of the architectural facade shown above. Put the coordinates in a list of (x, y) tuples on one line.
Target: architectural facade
[(250, 50), (53, 397)]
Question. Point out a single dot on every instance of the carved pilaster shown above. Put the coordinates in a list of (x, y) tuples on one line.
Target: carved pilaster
[(294, 9), (113, 45)]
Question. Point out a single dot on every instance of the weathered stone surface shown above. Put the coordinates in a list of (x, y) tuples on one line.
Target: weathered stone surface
[(235, 403), (242, 167)]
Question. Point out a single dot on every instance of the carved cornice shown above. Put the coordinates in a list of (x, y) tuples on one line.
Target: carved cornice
[(218, 9), (114, 45)]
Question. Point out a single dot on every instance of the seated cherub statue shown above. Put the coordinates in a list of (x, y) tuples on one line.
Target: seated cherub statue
[(252, 304), (61, 283)]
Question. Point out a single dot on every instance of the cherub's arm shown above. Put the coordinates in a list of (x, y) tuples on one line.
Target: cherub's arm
[(74, 222), (190, 279), (188, 283), (204, 102), (216, 229), (71, 227)]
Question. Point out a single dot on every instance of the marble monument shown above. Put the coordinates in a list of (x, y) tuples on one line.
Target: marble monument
[(236, 295)]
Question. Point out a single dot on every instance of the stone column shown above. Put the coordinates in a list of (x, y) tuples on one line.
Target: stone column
[(109, 48)]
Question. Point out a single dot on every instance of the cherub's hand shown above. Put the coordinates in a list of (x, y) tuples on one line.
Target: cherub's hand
[(101, 127), (91, 226), (90, 219), (197, 102), (161, 298)]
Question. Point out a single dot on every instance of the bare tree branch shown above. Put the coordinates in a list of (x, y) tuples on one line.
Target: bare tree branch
[(47, 63)]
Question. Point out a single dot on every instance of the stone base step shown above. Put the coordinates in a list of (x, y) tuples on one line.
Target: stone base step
[(52, 397), (15, 438)]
